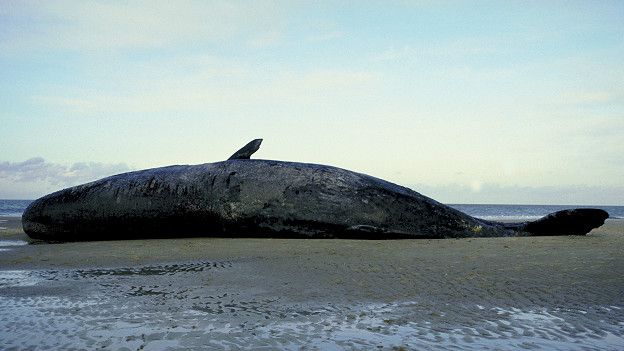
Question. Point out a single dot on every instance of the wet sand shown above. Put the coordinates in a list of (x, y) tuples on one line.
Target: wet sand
[(562, 293)]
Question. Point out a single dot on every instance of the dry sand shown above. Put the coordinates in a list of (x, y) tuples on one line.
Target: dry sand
[(490, 293)]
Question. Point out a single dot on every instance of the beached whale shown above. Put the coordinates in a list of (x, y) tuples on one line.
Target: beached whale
[(264, 198)]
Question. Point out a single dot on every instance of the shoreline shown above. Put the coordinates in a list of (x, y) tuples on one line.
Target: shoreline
[(170, 250)]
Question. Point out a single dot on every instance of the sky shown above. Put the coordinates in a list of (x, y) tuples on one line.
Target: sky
[(463, 101)]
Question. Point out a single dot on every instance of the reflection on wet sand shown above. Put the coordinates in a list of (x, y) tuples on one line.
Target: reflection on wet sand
[(176, 306), (169, 269)]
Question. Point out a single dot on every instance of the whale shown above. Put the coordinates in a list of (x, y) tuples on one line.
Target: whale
[(244, 197)]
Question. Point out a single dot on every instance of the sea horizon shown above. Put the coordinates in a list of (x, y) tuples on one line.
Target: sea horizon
[(504, 212)]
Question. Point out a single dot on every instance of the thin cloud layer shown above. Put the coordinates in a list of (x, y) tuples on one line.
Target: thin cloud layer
[(77, 25), (416, 92)]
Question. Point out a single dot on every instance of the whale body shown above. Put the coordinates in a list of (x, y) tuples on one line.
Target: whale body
[(244, 197)]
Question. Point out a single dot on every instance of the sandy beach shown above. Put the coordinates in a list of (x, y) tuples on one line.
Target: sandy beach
[(562, 293)]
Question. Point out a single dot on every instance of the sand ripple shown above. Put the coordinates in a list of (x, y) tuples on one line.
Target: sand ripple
[(181, 306)]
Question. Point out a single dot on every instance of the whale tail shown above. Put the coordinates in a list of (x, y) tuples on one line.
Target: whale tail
[(579, 221)]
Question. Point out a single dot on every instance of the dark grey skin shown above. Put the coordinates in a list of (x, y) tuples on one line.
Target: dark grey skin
[(241, 197)]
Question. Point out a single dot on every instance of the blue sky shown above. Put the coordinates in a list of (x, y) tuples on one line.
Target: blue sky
[(465, 101)]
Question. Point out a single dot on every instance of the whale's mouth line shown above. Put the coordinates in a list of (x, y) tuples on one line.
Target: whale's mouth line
[(57, 233)]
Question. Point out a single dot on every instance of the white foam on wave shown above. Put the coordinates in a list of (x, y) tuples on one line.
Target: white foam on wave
[(510, 218), (12, 243), (7, 245)]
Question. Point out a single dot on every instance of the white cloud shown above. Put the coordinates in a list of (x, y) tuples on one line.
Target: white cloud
[(592, 97), (265, 39), (200, 92), (35, 177), (452, 49), (323, 37)]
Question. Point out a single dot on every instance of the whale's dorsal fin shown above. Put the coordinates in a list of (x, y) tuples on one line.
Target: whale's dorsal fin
[(246, 151)]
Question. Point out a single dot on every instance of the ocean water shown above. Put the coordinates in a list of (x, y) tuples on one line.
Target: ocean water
[(13, 208), (525, 212), (489, 212)]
